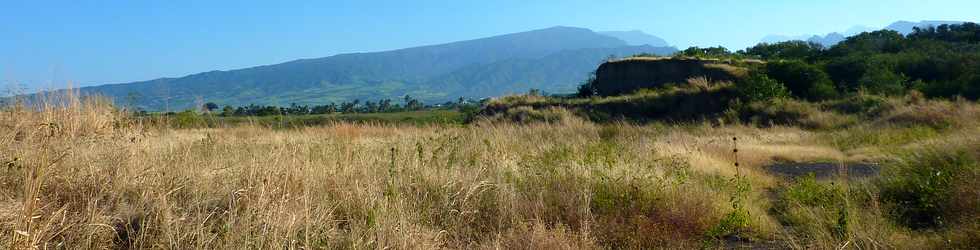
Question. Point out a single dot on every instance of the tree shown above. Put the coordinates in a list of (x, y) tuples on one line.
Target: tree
[(960, 33), (370, 107), (588, 89), (710, 52), (882, 80), (210, 106), (384, 105), (883, 41), (412, 104), (797, 50), (349, 107), (802, 79), (846, 71), (325, 109)]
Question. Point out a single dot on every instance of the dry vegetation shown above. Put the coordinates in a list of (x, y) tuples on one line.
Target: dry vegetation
[(80, 175)]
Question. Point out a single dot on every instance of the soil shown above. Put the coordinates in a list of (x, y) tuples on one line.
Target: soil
[(824, 170)]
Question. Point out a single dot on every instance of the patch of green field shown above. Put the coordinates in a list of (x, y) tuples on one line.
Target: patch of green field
[(416, 118)]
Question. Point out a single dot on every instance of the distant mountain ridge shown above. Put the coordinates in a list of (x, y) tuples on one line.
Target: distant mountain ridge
[(906, 27), (552, 59), (833, 38), (637, 38)]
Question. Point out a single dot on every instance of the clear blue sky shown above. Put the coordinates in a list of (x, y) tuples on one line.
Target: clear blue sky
[(49, 43)]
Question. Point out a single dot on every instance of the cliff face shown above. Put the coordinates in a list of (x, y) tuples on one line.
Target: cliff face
[(628, 75)]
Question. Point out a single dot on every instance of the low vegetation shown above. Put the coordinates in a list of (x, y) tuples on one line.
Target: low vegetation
[(940, 62), (924, 140), (191, 119), (81, 174)]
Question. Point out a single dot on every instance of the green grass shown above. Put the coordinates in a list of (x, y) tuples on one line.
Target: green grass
[(427, 117), (884, 137)]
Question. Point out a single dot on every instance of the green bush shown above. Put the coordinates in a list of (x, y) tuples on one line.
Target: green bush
[(789, 112), (813, 207), (188, 119), (759, 87), (885, 81), (807, 191), (734, 221), (863, 104), (921, 189), (968, 87), (802, 80), (527, 115)]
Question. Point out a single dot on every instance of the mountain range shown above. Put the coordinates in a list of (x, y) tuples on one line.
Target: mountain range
[(831, 39), (555, 59), (637, 37)]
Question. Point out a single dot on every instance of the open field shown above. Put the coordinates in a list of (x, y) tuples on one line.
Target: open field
[(82, 176), (193, 120)]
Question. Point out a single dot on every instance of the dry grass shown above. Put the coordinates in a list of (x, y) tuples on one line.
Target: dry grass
[(80, 175)]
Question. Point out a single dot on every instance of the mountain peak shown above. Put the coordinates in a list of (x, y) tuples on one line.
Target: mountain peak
[(562, 27), (857, 29), (831, 39), (906, 27), (637, 37)]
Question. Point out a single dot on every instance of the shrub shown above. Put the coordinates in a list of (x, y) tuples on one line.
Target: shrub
[(845, 71), (188, 119), (759, 87), (968, 87), (921, 190), (527, 115), (636, 213), (734, 221), (803, 80), (685, 102), (861, 103), (818, 212), (883, 80), (938, 115), (807, 191), (789, 112)]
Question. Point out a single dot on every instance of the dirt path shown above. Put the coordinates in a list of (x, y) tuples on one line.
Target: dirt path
[(824, 170)]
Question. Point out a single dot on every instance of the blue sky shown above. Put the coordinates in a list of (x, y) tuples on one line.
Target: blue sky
[(45, 44)]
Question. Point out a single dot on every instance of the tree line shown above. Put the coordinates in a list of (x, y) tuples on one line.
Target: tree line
[(940, 62), (356, 106)]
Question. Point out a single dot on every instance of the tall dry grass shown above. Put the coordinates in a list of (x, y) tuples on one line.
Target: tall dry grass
[(78, 174)]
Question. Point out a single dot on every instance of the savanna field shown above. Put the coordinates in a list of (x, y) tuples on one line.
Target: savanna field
[(870, 144), (82, 174)]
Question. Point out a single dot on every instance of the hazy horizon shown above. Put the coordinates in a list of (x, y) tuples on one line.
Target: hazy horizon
[(92, 44)]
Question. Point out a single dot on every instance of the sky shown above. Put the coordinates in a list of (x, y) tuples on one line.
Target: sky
[(54, 44)]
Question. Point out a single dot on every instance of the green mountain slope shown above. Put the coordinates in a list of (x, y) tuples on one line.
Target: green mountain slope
[(552, 59)]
